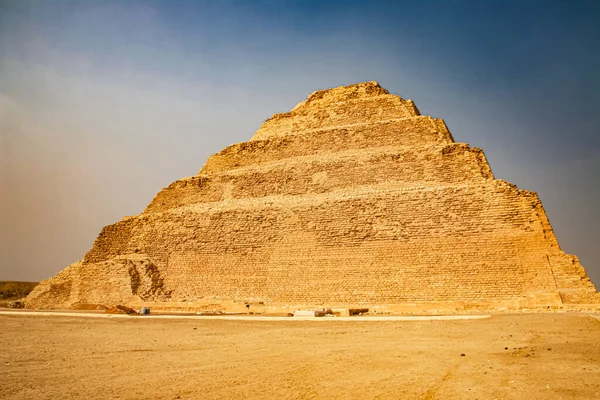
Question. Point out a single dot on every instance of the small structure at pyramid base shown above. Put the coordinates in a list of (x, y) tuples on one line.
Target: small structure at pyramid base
[(352, 199)]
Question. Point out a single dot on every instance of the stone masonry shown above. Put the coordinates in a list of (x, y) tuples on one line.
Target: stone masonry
[(351, 199)]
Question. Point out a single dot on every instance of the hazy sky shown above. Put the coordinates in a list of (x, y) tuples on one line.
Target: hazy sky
[(103, 103)]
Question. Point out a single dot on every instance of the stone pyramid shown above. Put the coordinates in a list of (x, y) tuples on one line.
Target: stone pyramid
[(351, 199)]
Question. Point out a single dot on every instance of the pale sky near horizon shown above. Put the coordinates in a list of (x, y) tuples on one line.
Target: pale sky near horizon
[(103, 103)]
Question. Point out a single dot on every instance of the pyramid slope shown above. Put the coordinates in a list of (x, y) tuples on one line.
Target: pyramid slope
[(350, 199)]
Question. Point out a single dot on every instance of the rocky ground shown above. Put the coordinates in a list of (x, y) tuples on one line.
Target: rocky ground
[(525, 356)]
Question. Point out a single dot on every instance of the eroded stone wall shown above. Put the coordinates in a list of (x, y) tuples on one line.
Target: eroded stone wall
[(392, 167)]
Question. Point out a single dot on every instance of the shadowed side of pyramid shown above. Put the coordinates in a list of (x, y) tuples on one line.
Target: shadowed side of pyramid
[(351, 199)]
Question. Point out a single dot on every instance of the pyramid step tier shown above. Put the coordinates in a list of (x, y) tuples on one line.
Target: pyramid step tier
[(342, 218), (405, 132), (323, 98), (360, 110), (433, 166), (489, 243)]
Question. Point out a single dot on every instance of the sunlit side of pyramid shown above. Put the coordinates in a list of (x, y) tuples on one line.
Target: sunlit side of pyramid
[(351, 199)]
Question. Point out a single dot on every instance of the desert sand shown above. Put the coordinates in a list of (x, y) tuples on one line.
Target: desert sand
[(521, 356)]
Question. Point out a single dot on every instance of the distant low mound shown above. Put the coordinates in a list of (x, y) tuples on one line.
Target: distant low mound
[(11, 290)]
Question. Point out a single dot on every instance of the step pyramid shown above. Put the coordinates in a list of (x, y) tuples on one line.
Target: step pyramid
[(351, 199)]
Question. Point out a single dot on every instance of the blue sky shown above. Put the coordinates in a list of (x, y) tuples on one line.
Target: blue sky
[(103, 103)]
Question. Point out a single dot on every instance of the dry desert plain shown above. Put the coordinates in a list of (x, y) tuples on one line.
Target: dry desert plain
[(518, 356)]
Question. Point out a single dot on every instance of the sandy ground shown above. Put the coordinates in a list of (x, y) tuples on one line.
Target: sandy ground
[(242, 317), (526, 356)]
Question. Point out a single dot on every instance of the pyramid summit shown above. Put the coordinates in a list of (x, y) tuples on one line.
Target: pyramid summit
[(351, 199)]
